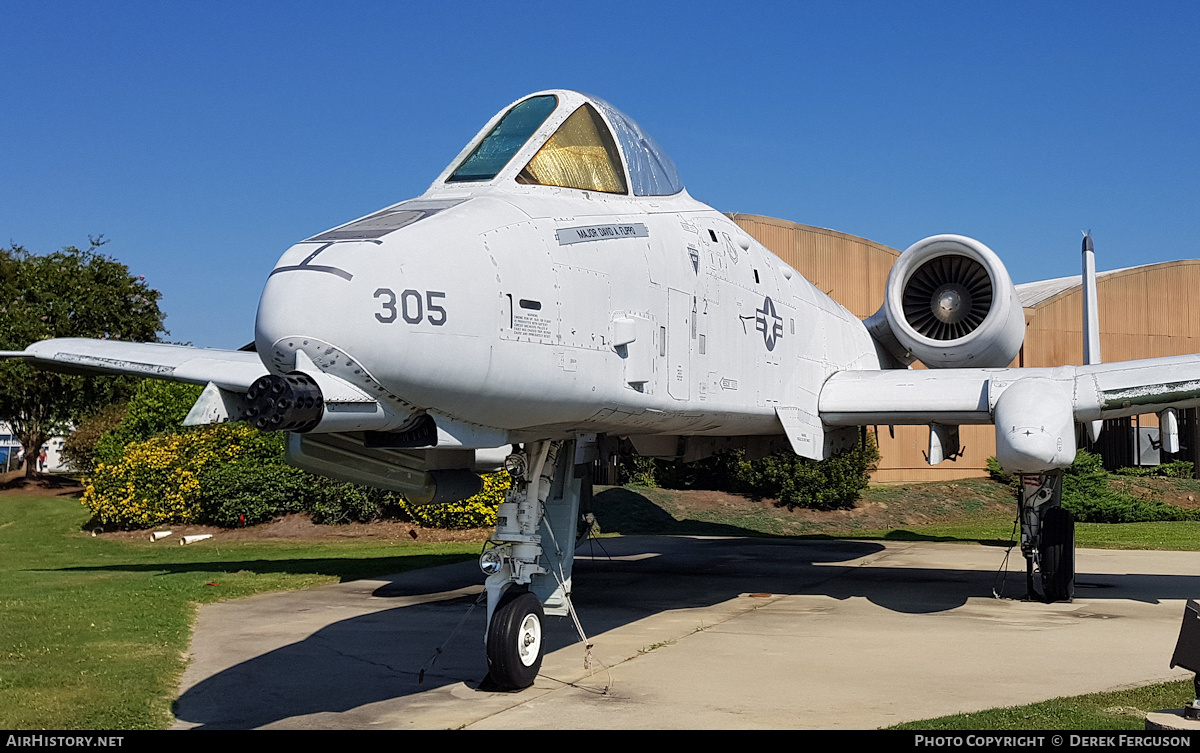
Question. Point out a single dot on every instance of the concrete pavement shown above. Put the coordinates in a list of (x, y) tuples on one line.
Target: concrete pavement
[(697, 632)]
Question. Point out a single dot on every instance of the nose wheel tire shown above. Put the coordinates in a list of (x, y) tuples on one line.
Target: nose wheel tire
[(515, 641), (1058, 555)]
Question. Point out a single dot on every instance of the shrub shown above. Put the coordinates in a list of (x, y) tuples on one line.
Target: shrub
[(244, 493), (1116, 507), (831, 484), (79, 449), (1089, 497), (225, 475), (477, 512), (158, 480), (1174, 469), (718, 471), (150, 471), (155, 407), (1088, 494), (996, 473), (638, 471), (332, 502)]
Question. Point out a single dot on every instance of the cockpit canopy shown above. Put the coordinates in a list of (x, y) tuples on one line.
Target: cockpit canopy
[(581, 142)]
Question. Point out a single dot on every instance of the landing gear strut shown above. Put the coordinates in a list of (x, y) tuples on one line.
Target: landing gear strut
[(1047, 538), (529, 568)]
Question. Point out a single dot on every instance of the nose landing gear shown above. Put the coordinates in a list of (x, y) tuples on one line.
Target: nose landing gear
[(529, 569)]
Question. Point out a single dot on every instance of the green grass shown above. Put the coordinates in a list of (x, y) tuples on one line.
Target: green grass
[(1178, 535), (975, 510), (1114, 710), (969, 509), (93, 633)]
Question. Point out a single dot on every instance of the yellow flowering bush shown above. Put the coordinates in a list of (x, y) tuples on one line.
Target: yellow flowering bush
[(476, 512), (157, 481), (233, 474)]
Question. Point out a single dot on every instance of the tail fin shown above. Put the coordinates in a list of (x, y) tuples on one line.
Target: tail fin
[(1091, 317)]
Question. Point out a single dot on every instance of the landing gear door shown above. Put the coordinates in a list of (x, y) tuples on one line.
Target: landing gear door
[(679, 343)]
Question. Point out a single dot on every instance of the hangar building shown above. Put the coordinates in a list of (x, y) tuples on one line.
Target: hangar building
[(1145, 312)]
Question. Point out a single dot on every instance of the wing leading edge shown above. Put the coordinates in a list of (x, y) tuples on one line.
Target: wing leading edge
[(1035, 410), (232, 370), (969, 396)]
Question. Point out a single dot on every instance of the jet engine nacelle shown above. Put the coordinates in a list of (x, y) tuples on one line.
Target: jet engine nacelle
[(950, 304)]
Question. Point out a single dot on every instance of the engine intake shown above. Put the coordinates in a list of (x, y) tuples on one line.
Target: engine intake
[(950, 303), (948, 297)]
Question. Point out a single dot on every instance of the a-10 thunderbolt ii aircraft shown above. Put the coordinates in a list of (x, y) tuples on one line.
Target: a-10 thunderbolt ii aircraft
[(556, 288)]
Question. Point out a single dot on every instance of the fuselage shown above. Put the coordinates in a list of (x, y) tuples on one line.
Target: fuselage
[(504, 310), (543, 310)]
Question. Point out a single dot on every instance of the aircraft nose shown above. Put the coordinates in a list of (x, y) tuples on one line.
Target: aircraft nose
[(397, 319), (301, 307)]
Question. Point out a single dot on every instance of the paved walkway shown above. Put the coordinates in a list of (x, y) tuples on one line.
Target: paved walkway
[(693, 632)]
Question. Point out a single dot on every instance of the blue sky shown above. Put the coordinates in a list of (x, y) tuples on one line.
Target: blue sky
[(203, 138)]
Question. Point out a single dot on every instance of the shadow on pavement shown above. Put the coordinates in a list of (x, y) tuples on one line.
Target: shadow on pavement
[(618, 581)]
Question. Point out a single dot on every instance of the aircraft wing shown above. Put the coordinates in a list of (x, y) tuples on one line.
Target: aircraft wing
[(969, 396), (233, 370)]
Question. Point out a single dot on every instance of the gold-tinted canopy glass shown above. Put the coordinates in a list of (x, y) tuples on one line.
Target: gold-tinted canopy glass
[(580, 154)]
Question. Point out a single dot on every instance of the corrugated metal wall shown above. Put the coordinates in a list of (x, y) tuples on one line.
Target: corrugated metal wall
[(852, 270), (1145, 312)]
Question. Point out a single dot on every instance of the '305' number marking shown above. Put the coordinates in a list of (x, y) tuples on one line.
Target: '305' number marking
[(411, 305)]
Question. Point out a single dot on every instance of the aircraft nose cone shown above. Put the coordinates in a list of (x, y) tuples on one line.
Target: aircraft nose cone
[(302, 309), (307, 322)]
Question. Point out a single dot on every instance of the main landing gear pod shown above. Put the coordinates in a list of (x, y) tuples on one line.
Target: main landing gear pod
[(1035, 438), (529, 568)]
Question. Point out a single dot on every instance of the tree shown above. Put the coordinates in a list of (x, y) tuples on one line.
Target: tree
[(69, 293)]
